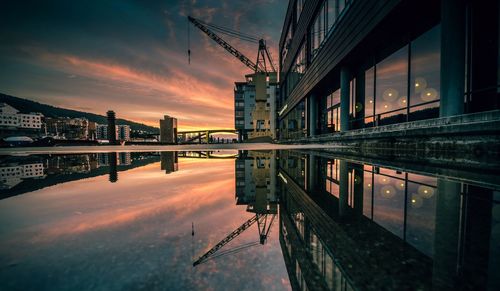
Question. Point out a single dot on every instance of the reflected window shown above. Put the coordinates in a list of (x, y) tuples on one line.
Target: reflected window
[(388, 203), (421, 212)]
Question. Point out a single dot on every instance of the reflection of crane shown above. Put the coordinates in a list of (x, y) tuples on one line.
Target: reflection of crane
[(264, 225), (260, 66)]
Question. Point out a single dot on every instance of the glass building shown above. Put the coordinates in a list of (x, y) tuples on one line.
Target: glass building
[(354, 64), (355, 225)]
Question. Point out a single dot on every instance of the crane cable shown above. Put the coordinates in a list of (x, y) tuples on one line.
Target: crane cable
[(231, 32), (189, 43)]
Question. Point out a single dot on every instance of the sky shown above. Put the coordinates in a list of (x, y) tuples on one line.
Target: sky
[(131, 56)]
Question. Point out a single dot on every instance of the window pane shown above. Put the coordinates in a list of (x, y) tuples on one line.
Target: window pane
[(336, 97), (391, 80), (425, 73), (369, 87)]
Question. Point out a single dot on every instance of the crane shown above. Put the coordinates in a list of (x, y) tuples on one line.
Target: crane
[(259, 66), (263, 226)]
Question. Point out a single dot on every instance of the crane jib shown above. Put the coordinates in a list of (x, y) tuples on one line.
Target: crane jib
[(259, 66)]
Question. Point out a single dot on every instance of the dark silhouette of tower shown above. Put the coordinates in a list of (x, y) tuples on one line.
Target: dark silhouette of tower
[(113, 171), (111, 127)]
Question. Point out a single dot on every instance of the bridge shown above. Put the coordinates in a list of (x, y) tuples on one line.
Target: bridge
[(201, 136)]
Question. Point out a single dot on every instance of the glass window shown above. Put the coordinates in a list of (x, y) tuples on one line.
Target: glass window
[(425, 75), (294, 123), (297, 71), (286, 44), (323, 23), (369, 96), (391, 89), (331, 13), (300, 6), (330, 116), (387, 84)]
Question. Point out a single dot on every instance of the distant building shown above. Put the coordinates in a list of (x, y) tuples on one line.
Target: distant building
[(168, 129), (11, 118), (254, 107), (10, 176), (92, 130), (122, 132), (169, 162), (111, 126), (69, 128)]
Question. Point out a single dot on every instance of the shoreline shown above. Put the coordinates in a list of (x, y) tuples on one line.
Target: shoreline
[(157, 148)]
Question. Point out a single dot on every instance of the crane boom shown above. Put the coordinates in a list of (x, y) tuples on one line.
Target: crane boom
[(227, 239), (257, 67)]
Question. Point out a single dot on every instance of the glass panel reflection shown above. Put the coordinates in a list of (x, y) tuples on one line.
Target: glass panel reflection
[(383, 222)]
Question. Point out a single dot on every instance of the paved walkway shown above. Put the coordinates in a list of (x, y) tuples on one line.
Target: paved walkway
[(152, 148)]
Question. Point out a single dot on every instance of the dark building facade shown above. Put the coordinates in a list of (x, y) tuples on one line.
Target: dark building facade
[(111, 127), (360, 225), (168, 130), (358, 64)]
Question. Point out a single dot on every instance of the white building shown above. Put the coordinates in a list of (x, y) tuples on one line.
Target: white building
[(122, 132), (254, 106), (10, 117), (12, 175)]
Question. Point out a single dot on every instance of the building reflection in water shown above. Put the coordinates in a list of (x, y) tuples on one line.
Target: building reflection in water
[(169, 162), (255, 181), (18, 174), (345, 225)]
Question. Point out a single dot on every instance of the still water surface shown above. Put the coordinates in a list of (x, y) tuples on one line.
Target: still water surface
[(249, 220)]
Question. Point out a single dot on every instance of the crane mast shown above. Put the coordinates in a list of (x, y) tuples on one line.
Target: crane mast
[(260, 66)]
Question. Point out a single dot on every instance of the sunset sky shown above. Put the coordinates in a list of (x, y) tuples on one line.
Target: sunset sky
[(131, 56)]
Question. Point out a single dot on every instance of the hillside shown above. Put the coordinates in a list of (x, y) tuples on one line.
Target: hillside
[(26, 106)]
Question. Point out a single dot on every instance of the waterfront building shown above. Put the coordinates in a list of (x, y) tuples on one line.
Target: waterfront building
[(111, 134), (12, 118), (101, 131), (122, 132), (168, 130), (68, 128), (10, 176), (254, 106), (348, 65)]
